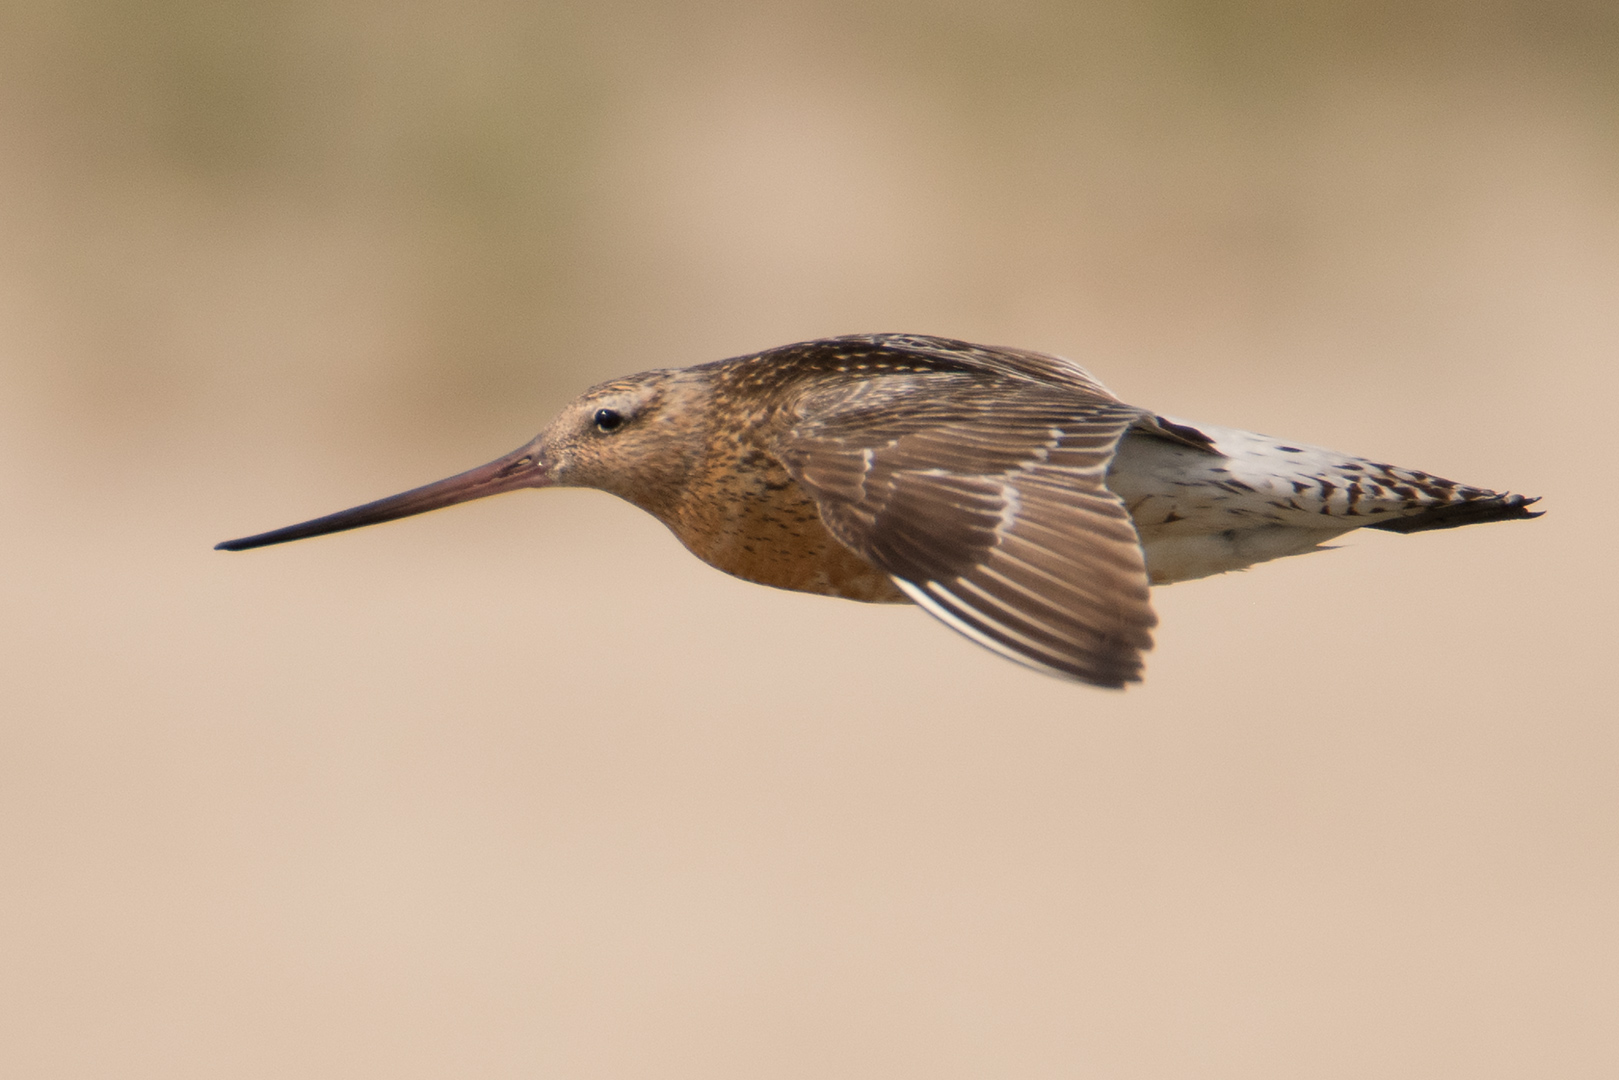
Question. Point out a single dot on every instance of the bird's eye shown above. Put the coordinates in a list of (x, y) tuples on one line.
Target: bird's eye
[(608, 419)]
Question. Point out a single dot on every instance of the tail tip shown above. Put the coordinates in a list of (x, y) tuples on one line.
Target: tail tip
[(1479, 510)]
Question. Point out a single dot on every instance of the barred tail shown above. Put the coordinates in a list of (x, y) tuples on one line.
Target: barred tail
[(1472, 509)]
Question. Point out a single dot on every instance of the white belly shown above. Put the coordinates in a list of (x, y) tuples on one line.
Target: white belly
[(1183, 558)]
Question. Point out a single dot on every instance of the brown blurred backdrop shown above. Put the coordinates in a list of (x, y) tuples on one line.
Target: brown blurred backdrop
[(523, 790)]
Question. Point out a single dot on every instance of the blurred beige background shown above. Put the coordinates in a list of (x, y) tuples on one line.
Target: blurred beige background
[(523, 790)]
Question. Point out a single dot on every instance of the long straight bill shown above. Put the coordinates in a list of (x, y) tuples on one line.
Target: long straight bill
[(518, 469)]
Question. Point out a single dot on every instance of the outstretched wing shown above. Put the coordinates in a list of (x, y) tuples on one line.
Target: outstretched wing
[(986, 502)]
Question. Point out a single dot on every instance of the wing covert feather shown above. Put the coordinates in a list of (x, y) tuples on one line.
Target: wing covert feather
[(988, 506)]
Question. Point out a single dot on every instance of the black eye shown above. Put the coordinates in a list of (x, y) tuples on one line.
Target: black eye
[(607, 419)]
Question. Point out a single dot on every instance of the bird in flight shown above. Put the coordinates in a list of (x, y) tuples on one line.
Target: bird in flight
[(1006, 492)]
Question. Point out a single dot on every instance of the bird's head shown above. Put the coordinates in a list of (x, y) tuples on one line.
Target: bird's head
[(635, 437)]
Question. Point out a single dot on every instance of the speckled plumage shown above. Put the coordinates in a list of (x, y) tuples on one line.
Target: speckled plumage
[(1007, 492)]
